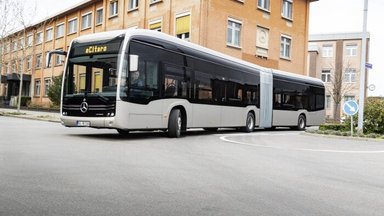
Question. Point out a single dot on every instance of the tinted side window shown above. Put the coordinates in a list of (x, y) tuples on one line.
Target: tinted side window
[(143, 85)]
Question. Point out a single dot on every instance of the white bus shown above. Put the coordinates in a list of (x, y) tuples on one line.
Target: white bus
[(145, 80)]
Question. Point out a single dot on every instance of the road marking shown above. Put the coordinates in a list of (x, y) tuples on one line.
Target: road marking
[(226, 139)]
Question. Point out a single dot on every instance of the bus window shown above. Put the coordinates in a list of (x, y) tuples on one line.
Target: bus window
[(204, 86), (175, 81)]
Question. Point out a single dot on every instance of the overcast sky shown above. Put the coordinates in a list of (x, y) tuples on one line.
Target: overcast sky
[(327, 16)]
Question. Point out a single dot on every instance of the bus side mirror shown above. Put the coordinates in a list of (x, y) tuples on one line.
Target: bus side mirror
[(133, 62), (49, 55)]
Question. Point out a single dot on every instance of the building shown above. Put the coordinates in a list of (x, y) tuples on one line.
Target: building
[(270, 33), (336, 59)]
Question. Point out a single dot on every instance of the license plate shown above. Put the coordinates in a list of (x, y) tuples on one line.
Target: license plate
[(83, 123)]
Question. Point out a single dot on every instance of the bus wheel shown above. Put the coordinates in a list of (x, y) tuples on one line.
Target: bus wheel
[(250, 123), (301, 123), (123, 132), (174, 123)]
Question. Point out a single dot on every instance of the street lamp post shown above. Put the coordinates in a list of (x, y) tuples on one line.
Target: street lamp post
[(362, 69)]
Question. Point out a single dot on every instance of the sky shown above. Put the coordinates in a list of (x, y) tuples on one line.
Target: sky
[(339, 16), (326, 16)]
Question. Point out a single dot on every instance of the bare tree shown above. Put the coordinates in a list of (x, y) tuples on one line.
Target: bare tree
[(338, 87), (7, 25), (24, 17)]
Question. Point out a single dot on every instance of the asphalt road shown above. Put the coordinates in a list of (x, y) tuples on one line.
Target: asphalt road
[(47, 169)]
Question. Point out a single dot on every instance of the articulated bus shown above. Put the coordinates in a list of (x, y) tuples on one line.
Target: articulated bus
[(145, 80)]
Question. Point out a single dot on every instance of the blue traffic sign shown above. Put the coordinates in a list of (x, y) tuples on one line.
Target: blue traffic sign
[(368, 65), (350, 107)]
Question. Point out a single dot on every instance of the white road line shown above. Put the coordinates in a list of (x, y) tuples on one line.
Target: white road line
[(226, 139)]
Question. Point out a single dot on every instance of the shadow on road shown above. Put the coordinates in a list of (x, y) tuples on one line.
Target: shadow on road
[(138, 135)]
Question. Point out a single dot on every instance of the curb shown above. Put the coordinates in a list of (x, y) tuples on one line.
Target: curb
[(342, 137), (26, 116)]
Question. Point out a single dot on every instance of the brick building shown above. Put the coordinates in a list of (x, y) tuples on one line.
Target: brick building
[(336, 58), (270, 33)]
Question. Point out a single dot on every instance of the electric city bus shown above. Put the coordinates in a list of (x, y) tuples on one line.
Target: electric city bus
[(146, 80)]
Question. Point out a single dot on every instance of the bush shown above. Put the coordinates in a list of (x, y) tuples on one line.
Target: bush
[(374, 116), (335, 127), (25, 101)]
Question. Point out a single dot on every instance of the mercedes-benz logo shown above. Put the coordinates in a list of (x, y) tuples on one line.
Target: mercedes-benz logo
[(84, 107)]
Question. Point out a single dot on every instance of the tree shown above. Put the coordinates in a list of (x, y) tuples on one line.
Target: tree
[(7, 25), (24, 17), (338, 88), (54, 92)]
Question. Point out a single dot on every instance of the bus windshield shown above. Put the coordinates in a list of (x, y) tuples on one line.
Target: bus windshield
[(92, 69)]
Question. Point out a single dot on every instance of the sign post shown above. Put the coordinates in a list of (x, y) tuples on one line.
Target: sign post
[(350, 108)]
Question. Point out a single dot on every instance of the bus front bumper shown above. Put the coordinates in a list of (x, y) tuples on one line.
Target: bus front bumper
[(94, 122)]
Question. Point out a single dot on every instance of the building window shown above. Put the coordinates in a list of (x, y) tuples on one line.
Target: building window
[(59, 59), (21, 43), (6, 48), (37, 87), (38, 61), (98, 82), (99, 16), (86, 21), (14, 46), (263, 4), (155, 25), (60, 30), (287, 9), (133, 4), (49, 34), (154, 1), (326, 75), (47, 84), (183, 23), (39, 38), (350, 75), (29, 62), (82, 82), (113, 8), (72, 26), (262, 41), (285, 47), (327, 51), (13, 66), (351, 50), (29, 40), (348, 98), (233, 32), (20, 66), (328, 101)]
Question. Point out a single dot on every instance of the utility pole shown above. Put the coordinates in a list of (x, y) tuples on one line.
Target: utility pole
[(362, 69)]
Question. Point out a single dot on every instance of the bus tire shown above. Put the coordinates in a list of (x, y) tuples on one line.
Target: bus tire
[(250, 123), (174, 123), (301, 123), (123, 132)]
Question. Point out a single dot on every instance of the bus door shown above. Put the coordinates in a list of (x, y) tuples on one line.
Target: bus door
[(266, 90)]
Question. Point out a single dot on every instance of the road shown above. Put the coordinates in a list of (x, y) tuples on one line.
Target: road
[(47, 169)]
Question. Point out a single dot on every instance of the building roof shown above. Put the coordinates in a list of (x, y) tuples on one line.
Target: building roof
[(337, 36)]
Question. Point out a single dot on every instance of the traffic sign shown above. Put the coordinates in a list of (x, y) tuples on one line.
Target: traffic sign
[(368, 65), (350, 107)]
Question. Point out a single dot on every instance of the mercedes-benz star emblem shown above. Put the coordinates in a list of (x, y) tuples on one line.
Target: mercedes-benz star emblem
[(84, 107)]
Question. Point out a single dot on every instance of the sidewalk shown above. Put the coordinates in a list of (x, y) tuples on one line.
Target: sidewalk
[(31, 114)]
